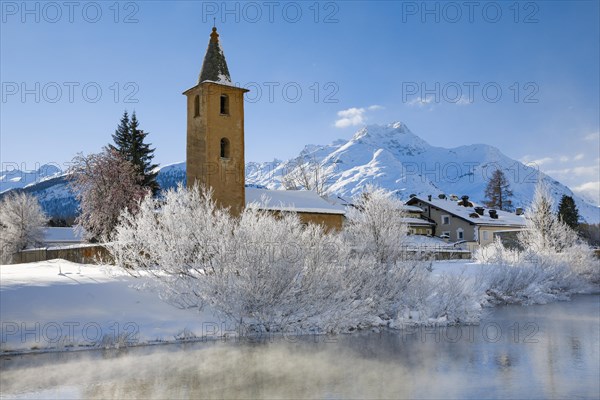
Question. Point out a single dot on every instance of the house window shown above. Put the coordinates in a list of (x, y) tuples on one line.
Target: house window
[(445, 235), (197, 106), (460, 234), (224, 104), (225, 148), (445, 220)]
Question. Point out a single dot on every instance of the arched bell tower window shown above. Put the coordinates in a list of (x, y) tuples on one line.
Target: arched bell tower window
[(225, 148), (197, 106), (224, 104)]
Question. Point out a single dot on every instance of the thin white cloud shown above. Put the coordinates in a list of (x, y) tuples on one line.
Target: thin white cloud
[(590, 190), (420, 101), (354, 116), (592, 136), (591, 171), (563, 159), (463, 101), (579, 157), (537, 162)]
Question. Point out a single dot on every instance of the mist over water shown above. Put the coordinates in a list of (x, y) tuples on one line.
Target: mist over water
[(549, 351)]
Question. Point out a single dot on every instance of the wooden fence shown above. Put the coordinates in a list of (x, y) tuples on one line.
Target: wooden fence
[(82, 254)]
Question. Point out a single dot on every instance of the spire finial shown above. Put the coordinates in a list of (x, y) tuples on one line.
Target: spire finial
[(214, 22), (214, 36)]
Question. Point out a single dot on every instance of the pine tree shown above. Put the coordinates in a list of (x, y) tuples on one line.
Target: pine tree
[(567, 212), (130, 142), (122, 135), (498, 192), (141, 155)]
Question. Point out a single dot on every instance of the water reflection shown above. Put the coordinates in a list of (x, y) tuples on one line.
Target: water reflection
[(499, 358)]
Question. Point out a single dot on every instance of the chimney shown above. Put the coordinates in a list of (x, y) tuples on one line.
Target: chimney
[(442, 196), (519, 211), (479, 210), (429, 197), (465, 201), (493, 214), (412, 195)]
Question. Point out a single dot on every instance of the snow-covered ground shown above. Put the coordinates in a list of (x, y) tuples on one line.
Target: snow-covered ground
[(60, 305), (57, 304)]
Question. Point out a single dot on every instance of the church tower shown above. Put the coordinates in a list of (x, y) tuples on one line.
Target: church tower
[(215, 131)]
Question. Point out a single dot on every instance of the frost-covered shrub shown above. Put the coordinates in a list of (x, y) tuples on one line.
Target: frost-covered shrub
[(444, 300), (375, 225), (553, 261), (21, 224), (267, 272), (455, 299)]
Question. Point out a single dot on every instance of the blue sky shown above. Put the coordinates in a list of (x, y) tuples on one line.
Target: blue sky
[(436, 66)]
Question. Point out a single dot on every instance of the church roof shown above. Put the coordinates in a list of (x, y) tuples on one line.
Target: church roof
[(291, 200), (214, 67)]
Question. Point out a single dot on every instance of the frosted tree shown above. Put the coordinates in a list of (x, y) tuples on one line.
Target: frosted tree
[(498, 192), (552, 261), (21, 223), (267, 272), (377, 233), (260, 271), (307, 174), (105, 184), (552, 242), (376, 225), (545, 232)]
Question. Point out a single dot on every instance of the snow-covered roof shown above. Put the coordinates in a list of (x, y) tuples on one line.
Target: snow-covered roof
[(422, 242), (505, 218), (416, 221), (62, 235), (291, 200), (415, 209), (340, 201)]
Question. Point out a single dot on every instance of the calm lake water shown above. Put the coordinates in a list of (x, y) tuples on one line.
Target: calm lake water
[(549, 351)]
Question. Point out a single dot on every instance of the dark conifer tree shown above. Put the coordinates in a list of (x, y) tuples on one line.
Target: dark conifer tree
[(122, 135), (567, 211), (141, 155), (130, 142)]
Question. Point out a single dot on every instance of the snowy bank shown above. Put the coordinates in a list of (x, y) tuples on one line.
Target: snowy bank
[(56, 305)]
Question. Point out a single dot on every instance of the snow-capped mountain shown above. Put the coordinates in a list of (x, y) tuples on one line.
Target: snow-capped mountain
[(389, 156), (13, 177)]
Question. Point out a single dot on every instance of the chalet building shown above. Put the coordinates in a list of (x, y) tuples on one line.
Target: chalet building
[(215, 147), (462, 220), (417, 224)]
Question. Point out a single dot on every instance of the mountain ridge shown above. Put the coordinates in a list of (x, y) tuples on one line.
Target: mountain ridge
[(390, 156)]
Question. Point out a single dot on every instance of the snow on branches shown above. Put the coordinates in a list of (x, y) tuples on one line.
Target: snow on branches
[(104, 184), (21, 224), (552, 261), (270, 272)]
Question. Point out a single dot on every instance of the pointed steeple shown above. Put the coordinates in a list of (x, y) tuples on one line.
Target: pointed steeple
[(214, 67)]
